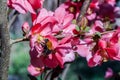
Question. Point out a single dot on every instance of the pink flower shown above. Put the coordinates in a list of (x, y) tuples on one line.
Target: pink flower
[(50, 53), (106, 49), (81, 48), (109, 73), (23, 6), (72, 7), (64, 20), (36, 4), (35, 71), (103, 10), (25, 28), (97, 27), (45, 48)]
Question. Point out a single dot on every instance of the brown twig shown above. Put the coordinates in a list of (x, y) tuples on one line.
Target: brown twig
[(83, 11), (106, 32), (12, 21), (58, 3), (18, 40)]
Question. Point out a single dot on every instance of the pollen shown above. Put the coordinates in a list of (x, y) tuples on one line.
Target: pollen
[(38, 69), (39, 38), (72, 9), (105, 59)]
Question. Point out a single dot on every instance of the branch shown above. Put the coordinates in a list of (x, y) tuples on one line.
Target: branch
[(18, 40), (5, 42), (12, 21), (83, 11), (65, 71), (58, 3), (47, 75), (103, 33), (106, 32)]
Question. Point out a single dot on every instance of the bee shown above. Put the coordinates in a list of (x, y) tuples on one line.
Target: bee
[(47, 47)]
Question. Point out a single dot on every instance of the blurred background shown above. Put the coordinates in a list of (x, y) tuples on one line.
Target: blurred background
[(78, 70)]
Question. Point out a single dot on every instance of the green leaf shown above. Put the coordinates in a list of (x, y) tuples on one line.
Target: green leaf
[(98, 34), (77, 28), (74, 21), (87, 29)]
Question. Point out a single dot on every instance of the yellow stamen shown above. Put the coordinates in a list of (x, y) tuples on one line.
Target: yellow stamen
[(105, 59), (71, 9), (39, 38), (38, 69)]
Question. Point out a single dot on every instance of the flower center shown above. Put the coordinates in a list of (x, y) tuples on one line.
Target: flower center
[(104, 55), (39, 38), (71, 9)]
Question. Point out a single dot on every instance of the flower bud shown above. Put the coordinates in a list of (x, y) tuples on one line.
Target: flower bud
[(25, 28)]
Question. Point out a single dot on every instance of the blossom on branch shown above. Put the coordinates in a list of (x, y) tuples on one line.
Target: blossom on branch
[(23, 6)]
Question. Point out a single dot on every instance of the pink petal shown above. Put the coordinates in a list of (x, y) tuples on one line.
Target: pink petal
[(35, 60), (102, 44), (95, 60), (49, 20), (109, 73), (91, 16), (19, 9), (69, 29), (67, 19), (59, 59), (83, 50), (29, 7), (65, 39), (35, 3), (111, 52), (60, 15), (50, 61), (36, 29), (23, 6), (42, 15), (33, 71), (46, 30), (64, 49), (25, 27), (69, 57)]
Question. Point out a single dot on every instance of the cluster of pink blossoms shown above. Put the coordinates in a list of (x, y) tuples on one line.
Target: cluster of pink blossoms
[(55, 37)]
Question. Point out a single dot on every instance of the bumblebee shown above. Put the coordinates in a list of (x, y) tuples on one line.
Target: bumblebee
[(47, 47)]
